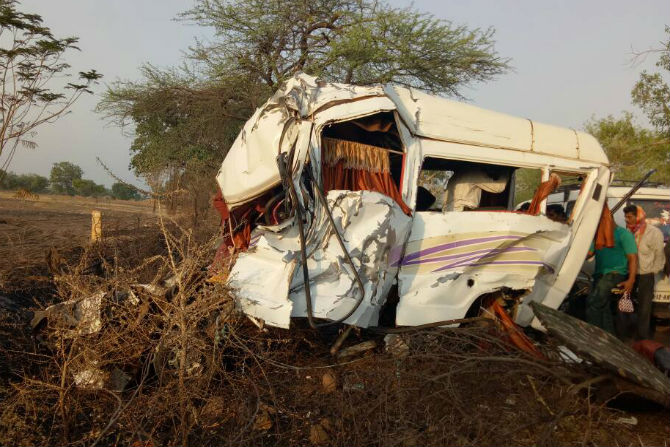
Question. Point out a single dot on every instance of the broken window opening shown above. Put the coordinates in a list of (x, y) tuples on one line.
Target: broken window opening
[(561, 211), (526, 182), (450, 185), (365, 154)]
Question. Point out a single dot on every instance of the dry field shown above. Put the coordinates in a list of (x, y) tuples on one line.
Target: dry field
[(195, 372), (30, 228)]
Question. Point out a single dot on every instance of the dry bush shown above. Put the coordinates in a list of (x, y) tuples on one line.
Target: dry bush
[(199, 373)]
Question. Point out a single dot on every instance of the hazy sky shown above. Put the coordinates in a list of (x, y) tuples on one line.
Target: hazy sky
[(571, 61)]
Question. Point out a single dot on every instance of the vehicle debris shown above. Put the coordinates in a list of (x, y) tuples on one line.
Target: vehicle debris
[(357, 349), (335, 194), (632, 420), (606, 351), (394, 344), (82, 314)]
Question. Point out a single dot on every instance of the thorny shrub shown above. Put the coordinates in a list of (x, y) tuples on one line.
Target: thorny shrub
[(172, 363)]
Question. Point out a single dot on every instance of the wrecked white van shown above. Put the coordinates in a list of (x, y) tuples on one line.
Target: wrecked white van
[(346, 197)]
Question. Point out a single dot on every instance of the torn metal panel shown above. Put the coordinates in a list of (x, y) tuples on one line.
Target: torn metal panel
[(453, 258), (603, 349), (307, 95), (371, 225), (261, 277), (249, 168)]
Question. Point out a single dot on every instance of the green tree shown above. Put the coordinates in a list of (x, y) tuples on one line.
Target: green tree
[(184, 120), (631, 149), (122, 191), (353, 41), (31, 62), (652, 93), (62, 177), (87, 188), (31, 182), (8, 180)]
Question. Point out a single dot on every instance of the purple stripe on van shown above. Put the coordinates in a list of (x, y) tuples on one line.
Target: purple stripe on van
[(254, 240), (461, 243), (467, 261), (483, 252), (477, 264)]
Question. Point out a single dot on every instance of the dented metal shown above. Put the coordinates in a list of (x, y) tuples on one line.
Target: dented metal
[(267, 278), (441, 262)]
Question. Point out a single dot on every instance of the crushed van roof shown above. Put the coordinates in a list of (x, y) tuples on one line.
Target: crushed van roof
[(250, 167)]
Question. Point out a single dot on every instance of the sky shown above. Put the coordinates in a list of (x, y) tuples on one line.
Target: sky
[(571, 61)]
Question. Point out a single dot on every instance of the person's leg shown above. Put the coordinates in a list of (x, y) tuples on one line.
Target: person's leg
[(614, 321), (594, 305), (625, 323), (598, 303), (645, 294)]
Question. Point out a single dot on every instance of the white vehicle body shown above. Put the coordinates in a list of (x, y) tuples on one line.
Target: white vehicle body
[(441, 262), (656, 203)]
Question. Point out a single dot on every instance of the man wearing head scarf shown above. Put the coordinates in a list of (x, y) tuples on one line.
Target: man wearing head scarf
[(651, 260)]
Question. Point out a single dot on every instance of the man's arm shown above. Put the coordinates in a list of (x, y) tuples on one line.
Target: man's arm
[(628, 284), (658, 247)]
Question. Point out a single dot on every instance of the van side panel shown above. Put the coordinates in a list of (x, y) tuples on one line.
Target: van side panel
[(453, 258)]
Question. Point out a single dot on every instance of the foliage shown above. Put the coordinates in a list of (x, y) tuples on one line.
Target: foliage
[(31, 182), (185, 119), (652, 92), (62, 177), (88, 188), (631, 149), (180, 122), (122, 191), (525, 184), (353, 41), (30, 63)]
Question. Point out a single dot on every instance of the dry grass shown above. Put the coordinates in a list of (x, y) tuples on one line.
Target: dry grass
[(200, 374)]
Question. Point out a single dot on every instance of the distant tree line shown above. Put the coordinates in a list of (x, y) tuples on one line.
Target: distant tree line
[(66, 178)]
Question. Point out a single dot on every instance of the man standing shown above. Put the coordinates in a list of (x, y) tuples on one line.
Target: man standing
[(615, 267), (651, 259)]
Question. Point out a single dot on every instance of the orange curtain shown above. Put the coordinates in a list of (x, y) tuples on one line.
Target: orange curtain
[(239, 220), (542, 193), (605, 231), (339, 177), (355, 166)]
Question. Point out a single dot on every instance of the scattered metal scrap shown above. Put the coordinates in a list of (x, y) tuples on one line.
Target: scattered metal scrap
[(605, 350)]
